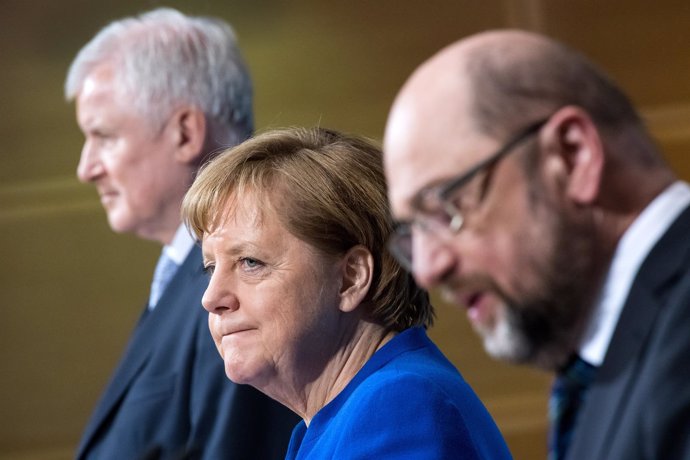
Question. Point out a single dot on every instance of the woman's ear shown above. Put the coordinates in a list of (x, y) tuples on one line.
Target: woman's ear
[(357, 271), (575, 151), (187, 128)]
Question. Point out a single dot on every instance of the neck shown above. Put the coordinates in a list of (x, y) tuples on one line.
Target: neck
[(620, 204), (351, 353), (162, 231)]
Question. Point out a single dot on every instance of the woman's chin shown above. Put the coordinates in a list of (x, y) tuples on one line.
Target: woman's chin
[(237, 374), (244, 374)]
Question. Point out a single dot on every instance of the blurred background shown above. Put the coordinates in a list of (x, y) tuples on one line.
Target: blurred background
[(70, 290)]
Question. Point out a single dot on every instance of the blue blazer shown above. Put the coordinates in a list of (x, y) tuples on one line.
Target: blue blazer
[(638, 407), (170, 397), (407, 402)]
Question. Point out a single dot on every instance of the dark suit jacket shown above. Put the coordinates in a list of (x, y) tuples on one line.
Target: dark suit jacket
[(639, 404), (170, 398)]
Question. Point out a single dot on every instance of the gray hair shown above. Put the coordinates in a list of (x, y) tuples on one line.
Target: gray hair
[(163, 59)]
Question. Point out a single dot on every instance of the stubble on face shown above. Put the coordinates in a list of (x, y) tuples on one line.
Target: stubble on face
[(540, 321)]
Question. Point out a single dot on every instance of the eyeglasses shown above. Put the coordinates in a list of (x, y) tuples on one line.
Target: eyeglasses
[(440, 209)]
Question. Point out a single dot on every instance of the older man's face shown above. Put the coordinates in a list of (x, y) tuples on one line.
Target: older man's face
[(130, 160), (518, 265)]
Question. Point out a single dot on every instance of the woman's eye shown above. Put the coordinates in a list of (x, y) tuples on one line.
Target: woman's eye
[(250, 263), (208, 269)]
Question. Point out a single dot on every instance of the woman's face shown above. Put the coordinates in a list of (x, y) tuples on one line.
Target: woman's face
[(273, 301)]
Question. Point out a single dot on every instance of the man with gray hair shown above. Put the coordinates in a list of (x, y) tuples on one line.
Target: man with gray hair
[(155, 96)]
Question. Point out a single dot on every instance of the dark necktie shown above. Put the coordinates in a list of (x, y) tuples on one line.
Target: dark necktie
[(567, 397)]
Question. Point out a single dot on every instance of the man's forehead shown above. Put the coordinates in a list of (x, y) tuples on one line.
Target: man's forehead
[(98, 79), (423, 148), (407, 180), (431, 134), (432, 108)]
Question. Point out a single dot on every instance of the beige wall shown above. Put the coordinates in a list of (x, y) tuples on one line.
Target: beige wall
[(71, 290)]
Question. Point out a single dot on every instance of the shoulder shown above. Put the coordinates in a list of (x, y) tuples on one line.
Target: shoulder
[(399, 391), (440, 405), (664, 377), (400, 410), (407, 402)]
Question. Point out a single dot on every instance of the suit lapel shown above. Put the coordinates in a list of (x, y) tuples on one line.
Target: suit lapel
[(133, 361), (141, 346), (615, 379)]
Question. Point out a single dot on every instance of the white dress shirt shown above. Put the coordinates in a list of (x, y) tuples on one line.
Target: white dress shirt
[(182, 243), (172, 257), (636, 243)]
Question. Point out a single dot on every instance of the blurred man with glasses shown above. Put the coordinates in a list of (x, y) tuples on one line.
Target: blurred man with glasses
[(526, 187)]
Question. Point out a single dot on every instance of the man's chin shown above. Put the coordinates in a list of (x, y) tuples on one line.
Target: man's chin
[(118, 224), (505, 344), (510, 346)]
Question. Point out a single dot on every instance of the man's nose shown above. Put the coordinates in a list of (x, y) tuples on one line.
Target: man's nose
[(433, 259), (90, 166)]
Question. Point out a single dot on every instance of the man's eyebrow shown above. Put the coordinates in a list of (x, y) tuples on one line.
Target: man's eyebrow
[(436, 187), (420, 200)]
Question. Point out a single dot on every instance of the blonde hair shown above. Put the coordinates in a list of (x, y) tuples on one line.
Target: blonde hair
[(328, 189)]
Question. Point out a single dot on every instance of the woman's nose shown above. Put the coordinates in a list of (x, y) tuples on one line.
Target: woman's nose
[(218, 298)]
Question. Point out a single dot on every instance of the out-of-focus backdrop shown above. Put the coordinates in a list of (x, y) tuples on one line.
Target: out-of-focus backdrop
[(71, 290)]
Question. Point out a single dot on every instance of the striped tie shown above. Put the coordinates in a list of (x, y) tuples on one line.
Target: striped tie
[(567, 396)]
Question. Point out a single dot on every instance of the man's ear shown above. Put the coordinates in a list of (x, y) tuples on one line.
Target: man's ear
[(357, 271), (187, 128), (574, 150)]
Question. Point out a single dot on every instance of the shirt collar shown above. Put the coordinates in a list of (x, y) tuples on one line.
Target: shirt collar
[(182, 243), (637, 241)]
